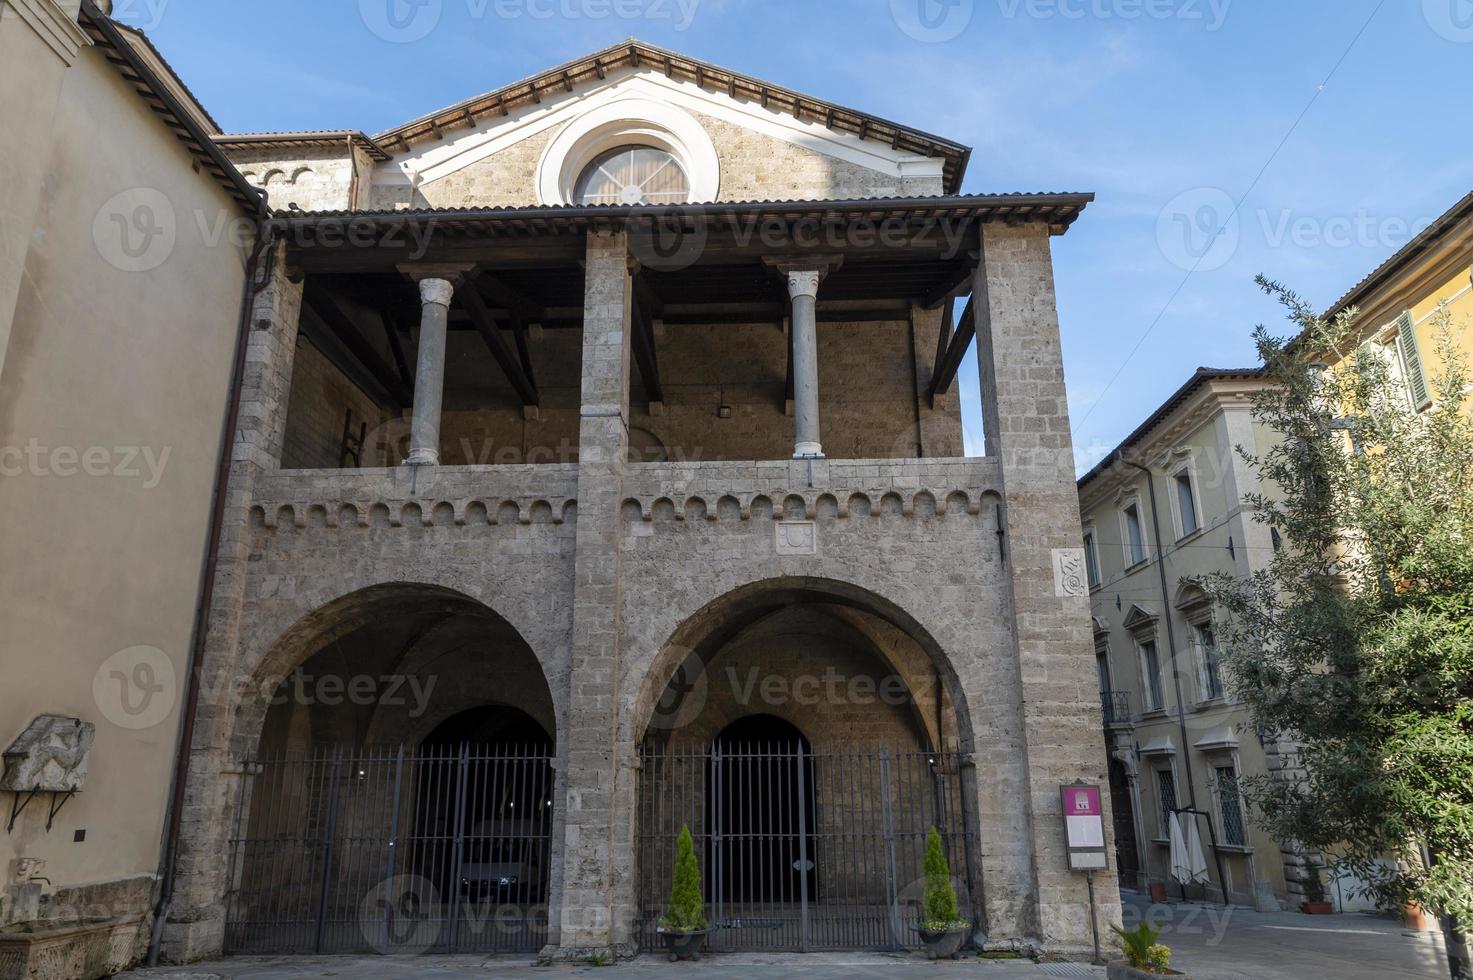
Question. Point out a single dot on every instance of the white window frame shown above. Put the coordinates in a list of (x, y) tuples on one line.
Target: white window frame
[(1184, 466), (1148, 703), (1204, 691), (1140, 519), (1092, 569), (1397, 343)]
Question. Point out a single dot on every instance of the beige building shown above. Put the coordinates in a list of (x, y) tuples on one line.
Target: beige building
[(596, 470), (1165, 508), (120, 326)]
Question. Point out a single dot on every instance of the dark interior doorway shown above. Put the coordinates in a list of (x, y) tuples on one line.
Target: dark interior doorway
[(484, 802), (761, 807)]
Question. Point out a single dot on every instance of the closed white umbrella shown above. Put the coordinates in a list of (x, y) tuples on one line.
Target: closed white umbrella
[(1188, 863)]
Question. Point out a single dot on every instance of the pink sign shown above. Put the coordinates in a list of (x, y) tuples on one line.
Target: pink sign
[(1082, 801)]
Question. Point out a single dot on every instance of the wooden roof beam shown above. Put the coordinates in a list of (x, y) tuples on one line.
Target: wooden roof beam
[(948, 364), (485, 324)]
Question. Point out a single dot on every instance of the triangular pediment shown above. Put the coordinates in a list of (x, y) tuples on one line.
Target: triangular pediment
[(434, 139), (1139, 616)]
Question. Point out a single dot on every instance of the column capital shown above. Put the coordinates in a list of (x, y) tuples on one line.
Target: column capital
[(804, 282), (437, 291)]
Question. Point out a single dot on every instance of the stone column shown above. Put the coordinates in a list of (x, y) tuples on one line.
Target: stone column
[(1027, 421), (429, 371), (803, 288), (596, 777)]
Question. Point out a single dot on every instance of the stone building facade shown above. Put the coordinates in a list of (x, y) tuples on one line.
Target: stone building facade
[(604, 488)]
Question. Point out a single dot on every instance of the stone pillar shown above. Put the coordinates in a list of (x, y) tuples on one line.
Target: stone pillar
[(429, 371), (803, 288), (1027, 421), (596, 775), (195, 925)]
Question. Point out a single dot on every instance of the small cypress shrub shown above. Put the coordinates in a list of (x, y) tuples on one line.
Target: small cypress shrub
[(686, 911), (939, 901)]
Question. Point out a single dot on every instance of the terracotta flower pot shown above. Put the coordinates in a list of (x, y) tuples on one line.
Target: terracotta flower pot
[(1316, 908), (1416, 919), (1158, 892)]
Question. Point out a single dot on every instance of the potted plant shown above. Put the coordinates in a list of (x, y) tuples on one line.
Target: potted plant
[(1314, 895), (684, 923), (1144, 957), (942, 928)]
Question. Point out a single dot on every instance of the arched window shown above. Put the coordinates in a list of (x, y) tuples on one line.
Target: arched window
[(633, 175)]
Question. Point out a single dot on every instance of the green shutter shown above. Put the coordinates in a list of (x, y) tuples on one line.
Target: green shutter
[(1411, 362)]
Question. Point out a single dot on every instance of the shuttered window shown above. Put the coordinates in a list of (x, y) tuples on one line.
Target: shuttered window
[(1412, 371)]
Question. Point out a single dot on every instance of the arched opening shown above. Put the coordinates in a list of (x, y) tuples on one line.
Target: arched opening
[(400, 797), (762, 807), (807, 733)]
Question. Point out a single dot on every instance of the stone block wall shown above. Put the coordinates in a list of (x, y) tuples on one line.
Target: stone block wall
[(317, 179)]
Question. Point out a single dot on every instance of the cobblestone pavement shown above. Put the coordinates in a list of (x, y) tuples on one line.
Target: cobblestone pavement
[(1209, 943)]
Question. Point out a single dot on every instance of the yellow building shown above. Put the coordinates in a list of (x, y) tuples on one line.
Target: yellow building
[(1400, 301)]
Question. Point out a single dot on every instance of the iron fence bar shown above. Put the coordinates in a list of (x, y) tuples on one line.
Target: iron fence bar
[(889, 830), (718, 801), (393, 845), (327, 845), (803, 858), (457, 849)]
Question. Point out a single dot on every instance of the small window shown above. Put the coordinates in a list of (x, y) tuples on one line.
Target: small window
[(1102, 666), (1091, 559), (1211, 667), (1230, 802), (1135, 540), (633, 175), (1186, 504), (1166, 784), (1151, 668)]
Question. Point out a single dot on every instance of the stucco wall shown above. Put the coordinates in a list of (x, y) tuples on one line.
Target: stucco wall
[(122, 378), (1220, 479)]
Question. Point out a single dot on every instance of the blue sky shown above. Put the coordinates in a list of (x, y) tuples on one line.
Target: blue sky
[(1169, 110)]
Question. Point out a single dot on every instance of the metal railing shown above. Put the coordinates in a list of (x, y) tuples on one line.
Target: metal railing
[(802, 849), (434, 849), (1116, 707)]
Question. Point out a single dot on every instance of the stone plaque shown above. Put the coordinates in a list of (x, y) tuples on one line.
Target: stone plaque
[(797, 538), (50, 756), (1070, 579)]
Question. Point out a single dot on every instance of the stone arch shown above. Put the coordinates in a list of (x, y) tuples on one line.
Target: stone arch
[(279, 645), (703, 631)]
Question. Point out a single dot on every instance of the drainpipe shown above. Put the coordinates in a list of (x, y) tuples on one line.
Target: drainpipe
[(170, 850), (1181, 706)]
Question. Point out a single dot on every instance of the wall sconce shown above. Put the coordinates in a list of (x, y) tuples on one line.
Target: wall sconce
[(723, 410)]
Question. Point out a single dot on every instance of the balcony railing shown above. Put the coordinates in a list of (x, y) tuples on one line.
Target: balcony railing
[(1116, 707)]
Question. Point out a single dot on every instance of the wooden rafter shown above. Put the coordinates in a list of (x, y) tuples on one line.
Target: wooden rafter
[(956, 349), (511, 364), (642, 342), (347, 333)]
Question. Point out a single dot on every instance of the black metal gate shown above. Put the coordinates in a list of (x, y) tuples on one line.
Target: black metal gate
[(801, 849), (436, 849)]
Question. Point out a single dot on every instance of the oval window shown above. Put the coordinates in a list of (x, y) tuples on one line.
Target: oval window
[(633, 175)]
